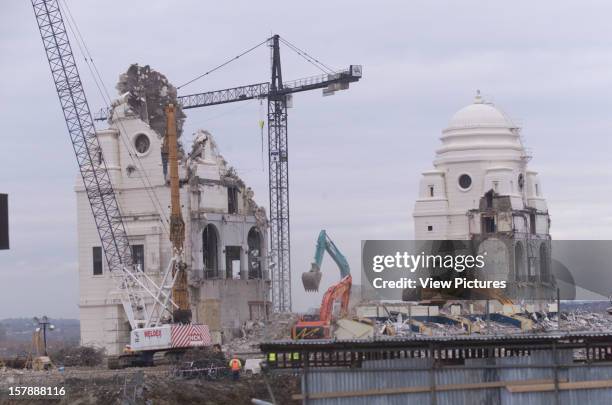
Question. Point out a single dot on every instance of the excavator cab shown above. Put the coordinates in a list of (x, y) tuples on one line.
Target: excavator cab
[(310, 326)]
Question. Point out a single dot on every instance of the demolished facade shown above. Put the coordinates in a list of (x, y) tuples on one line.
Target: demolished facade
[(226, 231)]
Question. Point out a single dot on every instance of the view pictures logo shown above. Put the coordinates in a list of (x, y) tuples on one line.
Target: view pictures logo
[(412, 263)]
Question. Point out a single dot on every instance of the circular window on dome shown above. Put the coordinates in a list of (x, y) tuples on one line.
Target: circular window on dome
[(465, 181), (521, 181), (142, 143)]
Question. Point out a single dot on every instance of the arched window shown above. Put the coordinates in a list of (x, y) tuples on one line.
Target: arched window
[(254, 241), (210, 249), (519, 262), (544, 263)]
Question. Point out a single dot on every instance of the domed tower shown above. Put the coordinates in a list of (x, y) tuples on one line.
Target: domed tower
[(481, 189)]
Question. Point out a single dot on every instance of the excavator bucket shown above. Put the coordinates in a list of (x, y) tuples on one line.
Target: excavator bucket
[(311, 279)]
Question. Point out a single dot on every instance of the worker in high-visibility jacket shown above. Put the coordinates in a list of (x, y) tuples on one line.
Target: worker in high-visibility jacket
[(235, 366)]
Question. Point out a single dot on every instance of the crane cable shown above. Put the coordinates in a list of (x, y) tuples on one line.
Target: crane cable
[(314, 61), (227, 62), (311, 59), (76, 33), (84, 50), (133, 156)]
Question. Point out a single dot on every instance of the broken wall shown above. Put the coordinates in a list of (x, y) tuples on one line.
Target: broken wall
[(149, 92)]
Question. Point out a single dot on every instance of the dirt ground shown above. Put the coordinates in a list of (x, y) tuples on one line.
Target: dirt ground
[(150, 386)]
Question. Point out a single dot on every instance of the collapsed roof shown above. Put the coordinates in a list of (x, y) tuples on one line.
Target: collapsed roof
[(148, 92)]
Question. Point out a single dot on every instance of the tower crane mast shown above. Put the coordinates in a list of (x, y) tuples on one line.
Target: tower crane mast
[(277, 93)]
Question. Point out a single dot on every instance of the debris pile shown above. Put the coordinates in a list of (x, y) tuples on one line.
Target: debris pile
[(277, 327), (85, 356), (587, 321), (494, 328), (445, 324), (144, 386), (439, 329), (205, 355)]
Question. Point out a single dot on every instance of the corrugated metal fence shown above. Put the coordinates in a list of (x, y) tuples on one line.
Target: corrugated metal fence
[(477, 381)]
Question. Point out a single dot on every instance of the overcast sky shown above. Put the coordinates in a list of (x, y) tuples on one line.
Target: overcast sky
[(356, 157)]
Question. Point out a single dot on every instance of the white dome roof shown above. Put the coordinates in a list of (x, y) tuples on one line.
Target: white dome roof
[(480, 114)]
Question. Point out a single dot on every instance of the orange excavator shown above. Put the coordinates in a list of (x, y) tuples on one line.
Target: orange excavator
[(319, 326)]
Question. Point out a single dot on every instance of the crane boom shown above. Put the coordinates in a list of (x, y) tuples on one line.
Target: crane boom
[(263, 90), (180, 290), (82, 132), (144, 302), (260, 90), (177, 225), (341, 291)]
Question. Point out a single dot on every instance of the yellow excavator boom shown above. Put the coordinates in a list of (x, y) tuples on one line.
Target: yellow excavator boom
[(180, 290)]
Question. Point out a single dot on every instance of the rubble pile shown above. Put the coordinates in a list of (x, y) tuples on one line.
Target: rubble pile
[(277, 327), (438, 329), (144, 386), (587, 321), (541, 323), (206, 355), (402, 328), (574, 321), (494, 328), (78, 356)]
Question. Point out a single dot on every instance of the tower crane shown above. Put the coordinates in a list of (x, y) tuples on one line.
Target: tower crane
[(278, 93), (150, 306)]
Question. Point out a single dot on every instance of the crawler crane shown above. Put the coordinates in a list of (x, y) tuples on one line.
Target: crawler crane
[(157, 309)]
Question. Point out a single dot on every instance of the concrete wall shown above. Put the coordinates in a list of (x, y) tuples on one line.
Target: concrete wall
[(226, 303)]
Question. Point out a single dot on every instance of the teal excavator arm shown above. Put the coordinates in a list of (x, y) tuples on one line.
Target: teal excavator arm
[(324, 243), (311, 279)]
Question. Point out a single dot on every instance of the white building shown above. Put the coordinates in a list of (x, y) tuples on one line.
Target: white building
[(480, 188), (226, 233)]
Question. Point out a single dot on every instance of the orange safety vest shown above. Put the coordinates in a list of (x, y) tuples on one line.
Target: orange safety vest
[(235, 364)]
